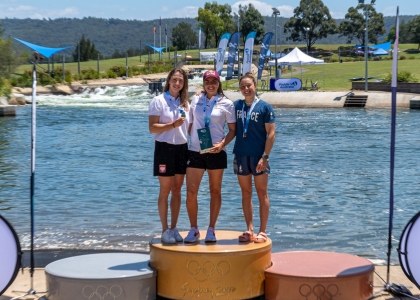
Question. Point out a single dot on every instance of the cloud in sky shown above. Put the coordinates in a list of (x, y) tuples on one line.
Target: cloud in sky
[(27, 11)]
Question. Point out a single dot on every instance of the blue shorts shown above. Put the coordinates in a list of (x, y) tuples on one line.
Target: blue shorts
[(246, 165)]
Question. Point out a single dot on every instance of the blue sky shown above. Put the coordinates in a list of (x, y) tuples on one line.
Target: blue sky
[(149, 10)]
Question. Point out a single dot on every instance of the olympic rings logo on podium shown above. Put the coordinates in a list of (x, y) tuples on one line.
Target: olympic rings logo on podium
[(102, 292), (208, 270), (319, 291)]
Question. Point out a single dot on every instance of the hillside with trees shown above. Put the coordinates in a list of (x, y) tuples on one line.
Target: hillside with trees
[(111, 38)]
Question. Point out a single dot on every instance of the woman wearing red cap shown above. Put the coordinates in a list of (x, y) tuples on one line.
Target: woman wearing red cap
[(210, 110)]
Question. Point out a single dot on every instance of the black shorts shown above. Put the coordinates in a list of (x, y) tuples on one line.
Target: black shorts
[(169, 159), (246, 165), (207, 161)]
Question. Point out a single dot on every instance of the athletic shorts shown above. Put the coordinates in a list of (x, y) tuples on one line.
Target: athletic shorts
[(169, 159), (207, 161), (246, 165)]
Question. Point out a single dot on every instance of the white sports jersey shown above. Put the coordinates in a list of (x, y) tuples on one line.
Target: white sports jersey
[(167, 108), (223, 112)]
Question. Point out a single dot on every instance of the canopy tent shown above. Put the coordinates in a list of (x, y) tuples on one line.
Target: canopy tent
[(384, 46), (45, 51), (297, 57), (380, 51)]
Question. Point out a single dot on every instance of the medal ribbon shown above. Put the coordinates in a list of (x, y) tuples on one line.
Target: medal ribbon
[(245, 122), (207, 118)]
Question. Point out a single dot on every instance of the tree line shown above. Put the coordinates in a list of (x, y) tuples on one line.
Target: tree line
[(311, 23)]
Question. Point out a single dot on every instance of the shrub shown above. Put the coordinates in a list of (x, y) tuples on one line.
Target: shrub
[(110, 74), (119, 70), (89, 74), (403, 57), (411, 57), (5, 88), (402, 76)]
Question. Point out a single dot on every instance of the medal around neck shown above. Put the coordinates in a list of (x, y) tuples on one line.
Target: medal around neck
[(204, 137)]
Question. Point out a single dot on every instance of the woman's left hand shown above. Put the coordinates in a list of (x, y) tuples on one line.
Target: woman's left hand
[(262, 164)]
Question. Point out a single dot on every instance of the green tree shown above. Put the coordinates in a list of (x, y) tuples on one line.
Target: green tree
[(183, 36), (87, 50), (252, 20), (214, 19), (354, 24), (311, 21), (405, 34), (414, 31)]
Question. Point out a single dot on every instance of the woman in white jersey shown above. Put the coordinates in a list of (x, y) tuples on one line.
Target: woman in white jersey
[(168, 121), (211, 111)]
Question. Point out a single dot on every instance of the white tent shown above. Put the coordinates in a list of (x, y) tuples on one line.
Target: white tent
[(297, 57)]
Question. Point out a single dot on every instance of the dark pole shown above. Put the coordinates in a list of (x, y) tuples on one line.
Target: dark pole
[(78, 58), (64, 73), (140, 50), (126, 64)]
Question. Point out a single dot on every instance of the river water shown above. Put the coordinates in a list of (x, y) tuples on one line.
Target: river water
[(94, 189)]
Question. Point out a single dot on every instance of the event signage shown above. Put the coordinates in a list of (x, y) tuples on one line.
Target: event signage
[(288, 84)]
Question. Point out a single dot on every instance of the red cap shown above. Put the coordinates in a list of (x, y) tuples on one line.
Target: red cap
[(211, 74)]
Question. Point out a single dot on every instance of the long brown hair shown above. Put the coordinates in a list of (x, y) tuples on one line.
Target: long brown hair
[(184, 91)]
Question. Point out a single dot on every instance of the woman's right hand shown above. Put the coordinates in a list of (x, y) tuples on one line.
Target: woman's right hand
[(178, 122)]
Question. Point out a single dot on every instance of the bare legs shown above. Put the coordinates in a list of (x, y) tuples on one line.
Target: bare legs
[(171, 185), (194, 177), (261, 183)]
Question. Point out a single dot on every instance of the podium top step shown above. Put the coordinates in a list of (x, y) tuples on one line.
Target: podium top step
[(227, 242)]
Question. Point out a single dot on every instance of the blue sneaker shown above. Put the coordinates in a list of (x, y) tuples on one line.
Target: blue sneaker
[(178, 237), (192, 236), (210, 236), (168, 237)]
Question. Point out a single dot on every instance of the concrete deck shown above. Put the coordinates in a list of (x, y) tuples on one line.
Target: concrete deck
[(22, 283)]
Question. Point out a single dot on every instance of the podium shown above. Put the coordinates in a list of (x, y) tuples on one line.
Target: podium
[(226, 269)]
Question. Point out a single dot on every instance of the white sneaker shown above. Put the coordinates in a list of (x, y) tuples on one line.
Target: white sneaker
[(193, 235), (210, 236), (178, 237), (168, 237)]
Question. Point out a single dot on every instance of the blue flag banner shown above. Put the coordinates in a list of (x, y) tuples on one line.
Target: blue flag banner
[(157, 49), (233, 45), (248, 50), (47, 52), (266, 42), (220, 59)]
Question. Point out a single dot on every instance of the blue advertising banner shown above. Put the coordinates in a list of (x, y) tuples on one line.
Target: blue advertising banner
[(248, 50), (266, 42), (233, 45), (221, 52), (288, 84)]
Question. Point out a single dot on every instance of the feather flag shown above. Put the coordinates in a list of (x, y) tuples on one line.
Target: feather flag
[(248, 50), (199, 38), (220, 59), (266, 42), (166, 30), (233, 45), (154, 28)]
